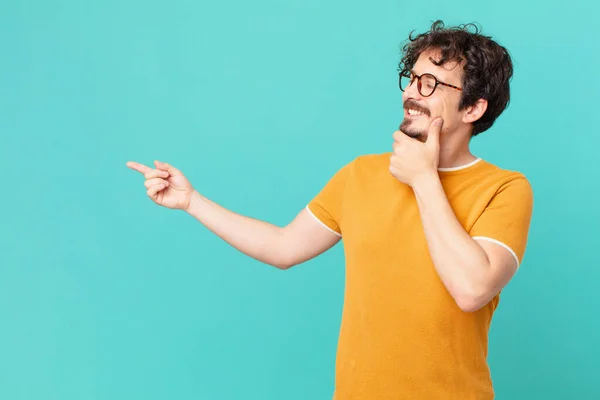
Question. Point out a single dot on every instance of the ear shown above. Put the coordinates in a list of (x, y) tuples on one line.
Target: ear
[(474, 112)]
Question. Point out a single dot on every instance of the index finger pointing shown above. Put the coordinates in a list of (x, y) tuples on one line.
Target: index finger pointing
[(139, 167)]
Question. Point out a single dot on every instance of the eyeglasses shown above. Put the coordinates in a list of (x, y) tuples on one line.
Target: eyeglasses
[(426, 83)]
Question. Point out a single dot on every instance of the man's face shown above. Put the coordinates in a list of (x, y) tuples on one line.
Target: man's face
[(420, 111)]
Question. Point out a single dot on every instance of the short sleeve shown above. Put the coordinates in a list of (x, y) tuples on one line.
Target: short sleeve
[(326, 206), (507, 217)]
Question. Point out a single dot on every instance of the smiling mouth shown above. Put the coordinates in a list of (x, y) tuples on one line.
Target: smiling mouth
[(414, 113)]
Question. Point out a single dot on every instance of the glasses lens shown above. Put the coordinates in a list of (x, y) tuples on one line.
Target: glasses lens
[(404, 80), (427, 85)]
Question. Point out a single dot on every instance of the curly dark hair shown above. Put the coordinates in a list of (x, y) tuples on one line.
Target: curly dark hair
[(487, 71)]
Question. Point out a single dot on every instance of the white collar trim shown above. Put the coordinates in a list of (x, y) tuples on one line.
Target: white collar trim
[(460, 166)]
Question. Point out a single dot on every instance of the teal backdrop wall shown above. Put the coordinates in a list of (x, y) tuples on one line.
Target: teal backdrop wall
[(104, 295)]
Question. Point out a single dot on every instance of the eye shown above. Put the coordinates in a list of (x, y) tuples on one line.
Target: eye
[(428, 81)]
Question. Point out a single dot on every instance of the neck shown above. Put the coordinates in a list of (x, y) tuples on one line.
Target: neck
[(455, 151)]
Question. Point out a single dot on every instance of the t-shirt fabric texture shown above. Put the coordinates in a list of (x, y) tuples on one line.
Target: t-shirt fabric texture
[(402, 336)]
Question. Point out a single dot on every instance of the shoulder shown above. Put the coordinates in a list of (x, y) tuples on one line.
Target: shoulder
[(504, 179), (368, 168), (364, 169), (371, 162)]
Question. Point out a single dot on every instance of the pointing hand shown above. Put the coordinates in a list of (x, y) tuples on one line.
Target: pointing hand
[(165, 185)]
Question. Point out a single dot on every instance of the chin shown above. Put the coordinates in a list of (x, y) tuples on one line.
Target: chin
[(410, 130)]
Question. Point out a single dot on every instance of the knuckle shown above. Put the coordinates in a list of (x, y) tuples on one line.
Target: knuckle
[(153, 174), (152, 182)]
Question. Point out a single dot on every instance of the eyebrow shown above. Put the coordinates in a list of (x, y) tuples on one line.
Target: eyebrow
[(412, 71)]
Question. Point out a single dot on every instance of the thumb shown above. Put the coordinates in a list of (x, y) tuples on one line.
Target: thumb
[(167, 167), (433, 136)]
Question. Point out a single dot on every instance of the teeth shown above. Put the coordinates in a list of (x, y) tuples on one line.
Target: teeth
[(414, 112)]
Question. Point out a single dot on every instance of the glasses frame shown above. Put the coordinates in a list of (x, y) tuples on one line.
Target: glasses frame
[(407, 74)]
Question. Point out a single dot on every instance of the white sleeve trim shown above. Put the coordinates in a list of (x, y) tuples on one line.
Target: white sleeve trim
[(500, 244), (321, 222)]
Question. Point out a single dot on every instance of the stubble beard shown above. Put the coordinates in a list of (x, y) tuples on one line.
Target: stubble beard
[(406, 124), (414, 133)]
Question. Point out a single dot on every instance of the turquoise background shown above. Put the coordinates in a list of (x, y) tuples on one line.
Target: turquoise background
[(104, 295)]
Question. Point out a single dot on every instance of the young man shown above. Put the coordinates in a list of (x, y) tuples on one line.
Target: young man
[(431, 232)]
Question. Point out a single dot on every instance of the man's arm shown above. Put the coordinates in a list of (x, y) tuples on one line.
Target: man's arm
[(283, 247), (473, 271)]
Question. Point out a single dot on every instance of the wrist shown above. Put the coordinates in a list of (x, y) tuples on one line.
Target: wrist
[(426, 182), (195, 199)]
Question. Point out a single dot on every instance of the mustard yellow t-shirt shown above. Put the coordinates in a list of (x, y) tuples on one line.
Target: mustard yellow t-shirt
[(402, 335)]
